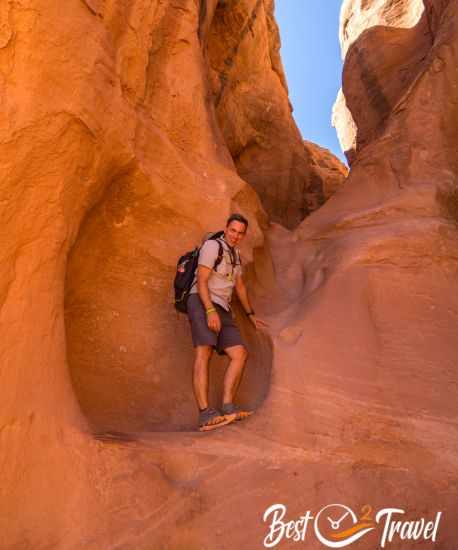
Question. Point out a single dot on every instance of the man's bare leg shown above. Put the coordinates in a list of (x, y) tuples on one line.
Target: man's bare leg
[(208, 418), (238, 356), (200, 375)]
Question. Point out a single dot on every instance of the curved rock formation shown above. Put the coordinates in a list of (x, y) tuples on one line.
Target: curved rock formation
[(113, 163), (379, 262), (254, 113), (117, 143), (376, 78)]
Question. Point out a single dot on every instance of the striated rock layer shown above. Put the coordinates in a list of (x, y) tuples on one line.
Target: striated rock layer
[(116, 156)]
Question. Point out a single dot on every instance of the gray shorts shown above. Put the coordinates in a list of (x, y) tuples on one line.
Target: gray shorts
[(228, 336)]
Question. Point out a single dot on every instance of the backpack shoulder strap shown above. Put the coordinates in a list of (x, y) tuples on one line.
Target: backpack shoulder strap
[(220, 255)]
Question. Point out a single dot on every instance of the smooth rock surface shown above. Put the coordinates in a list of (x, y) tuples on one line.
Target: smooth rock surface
[(115, 158)]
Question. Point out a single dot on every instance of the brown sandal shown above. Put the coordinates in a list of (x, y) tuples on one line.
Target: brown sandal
[(210, 419), (240, 414)]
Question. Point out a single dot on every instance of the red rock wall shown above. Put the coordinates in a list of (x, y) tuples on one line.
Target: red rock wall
[(254, 113), (376, 79), (375, 318), (113, 163), (114, 159)]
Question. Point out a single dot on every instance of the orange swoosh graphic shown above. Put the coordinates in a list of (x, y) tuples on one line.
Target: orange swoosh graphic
[(354, 529)]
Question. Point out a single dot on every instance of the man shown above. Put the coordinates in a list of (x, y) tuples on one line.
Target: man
[(213, 325)]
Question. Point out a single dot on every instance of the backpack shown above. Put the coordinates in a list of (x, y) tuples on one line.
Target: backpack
[(186, 270)]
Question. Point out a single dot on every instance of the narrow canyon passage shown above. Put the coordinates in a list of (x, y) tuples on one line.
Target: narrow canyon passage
[(146, 140)]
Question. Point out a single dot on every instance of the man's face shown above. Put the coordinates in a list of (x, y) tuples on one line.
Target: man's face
[(235, 232)]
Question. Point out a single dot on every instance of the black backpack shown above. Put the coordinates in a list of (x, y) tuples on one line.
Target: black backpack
[(186, 270)]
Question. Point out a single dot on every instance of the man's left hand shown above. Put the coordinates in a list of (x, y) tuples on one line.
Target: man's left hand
[(258, 323)]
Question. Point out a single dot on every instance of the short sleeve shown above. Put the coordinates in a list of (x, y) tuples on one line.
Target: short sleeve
[(208, 254)]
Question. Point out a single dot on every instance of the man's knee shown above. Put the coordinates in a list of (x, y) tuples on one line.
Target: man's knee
[(203, 352), (239, 353)]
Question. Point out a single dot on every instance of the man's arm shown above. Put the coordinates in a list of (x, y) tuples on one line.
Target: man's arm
[(213, 320), (242, 294), (203, 274)]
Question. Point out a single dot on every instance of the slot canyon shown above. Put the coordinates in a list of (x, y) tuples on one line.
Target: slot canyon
[(129, 129)]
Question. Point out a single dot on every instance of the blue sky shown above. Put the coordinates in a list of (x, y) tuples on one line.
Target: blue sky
[(309, 31)]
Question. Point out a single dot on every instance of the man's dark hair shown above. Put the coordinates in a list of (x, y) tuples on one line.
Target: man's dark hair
[(237, 218)]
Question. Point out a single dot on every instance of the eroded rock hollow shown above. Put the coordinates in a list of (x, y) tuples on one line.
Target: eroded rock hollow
[(128, 130)]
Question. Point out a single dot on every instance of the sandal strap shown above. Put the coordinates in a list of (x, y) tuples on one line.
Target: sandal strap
[(230, 408), (209, 414)]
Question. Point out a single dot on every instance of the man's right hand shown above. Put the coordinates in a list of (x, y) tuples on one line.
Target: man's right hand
[(214, 322)]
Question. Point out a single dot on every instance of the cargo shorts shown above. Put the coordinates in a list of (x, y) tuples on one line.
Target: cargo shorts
[(228, 336)]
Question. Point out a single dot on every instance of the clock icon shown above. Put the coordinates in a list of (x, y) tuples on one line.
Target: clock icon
[(337, 526)]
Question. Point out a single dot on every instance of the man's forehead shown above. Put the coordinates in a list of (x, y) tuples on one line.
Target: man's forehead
[(238, 226)]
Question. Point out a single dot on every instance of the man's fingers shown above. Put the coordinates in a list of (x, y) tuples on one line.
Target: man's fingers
[(214, 327), (214, 323), (259, 323)]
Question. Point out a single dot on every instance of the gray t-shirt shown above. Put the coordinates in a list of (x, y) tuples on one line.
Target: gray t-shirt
[(222, 281)]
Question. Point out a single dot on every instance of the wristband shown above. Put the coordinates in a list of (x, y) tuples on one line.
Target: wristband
[(210, 310)]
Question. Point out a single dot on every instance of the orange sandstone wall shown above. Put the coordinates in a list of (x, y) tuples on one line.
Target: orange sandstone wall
[(125, 135), (113, 161), (250, 94)]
